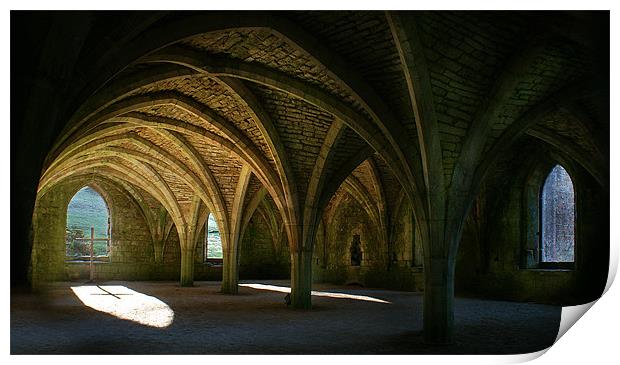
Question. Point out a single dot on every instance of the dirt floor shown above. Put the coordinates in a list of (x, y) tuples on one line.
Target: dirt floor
[(199, 320)]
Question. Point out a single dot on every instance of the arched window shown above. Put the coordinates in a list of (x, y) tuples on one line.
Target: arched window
[(557, 203), (356, 251), (212, 242), (87, 213)]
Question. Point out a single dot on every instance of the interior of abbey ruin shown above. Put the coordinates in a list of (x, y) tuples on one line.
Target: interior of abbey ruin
[(306, 182)]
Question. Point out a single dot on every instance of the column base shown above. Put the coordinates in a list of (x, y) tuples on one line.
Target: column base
[(229, 289), (187, 268), (301, 280), (439, 303)]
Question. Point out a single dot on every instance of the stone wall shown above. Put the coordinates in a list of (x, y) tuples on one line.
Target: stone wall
[(492, 259), (48, 231), (380, 266), (131, 252), (259, 256)]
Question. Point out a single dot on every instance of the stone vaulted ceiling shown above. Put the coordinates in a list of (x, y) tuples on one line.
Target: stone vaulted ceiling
[(305, 103)]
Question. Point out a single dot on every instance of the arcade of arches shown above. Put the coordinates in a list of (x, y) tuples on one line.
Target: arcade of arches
[(396, 150)]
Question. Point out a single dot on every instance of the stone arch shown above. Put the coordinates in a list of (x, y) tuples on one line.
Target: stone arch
[(280, 81), (49, 262), (538, 170), (104, 196), (353, 118), (557, 182), (440, 201)]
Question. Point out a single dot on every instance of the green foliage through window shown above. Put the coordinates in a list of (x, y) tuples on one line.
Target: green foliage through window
[(213, 241), (87, 209)]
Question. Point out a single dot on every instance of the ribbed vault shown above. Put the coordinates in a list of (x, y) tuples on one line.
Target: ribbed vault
[(282, 114)]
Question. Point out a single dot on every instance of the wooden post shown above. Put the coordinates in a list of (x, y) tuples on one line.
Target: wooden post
[(92, 241)]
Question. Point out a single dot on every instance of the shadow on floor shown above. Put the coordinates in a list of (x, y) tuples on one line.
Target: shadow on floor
[(258, 322)]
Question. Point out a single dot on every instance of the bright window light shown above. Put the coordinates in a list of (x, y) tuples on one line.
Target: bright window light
[(284, 289), (125, 303)]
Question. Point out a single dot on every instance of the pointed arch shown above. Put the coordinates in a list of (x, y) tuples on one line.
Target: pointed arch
[(557, 217), (88, 217)]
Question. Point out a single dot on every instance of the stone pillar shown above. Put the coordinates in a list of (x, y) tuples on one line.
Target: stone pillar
[(230, 271), (301, 279), (158, 245), (187, 266), (439, 301)]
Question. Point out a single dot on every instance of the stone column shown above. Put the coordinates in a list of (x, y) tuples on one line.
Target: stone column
[(439, 301), (230, 271), (301, 279), (158, 245), (187, 266)]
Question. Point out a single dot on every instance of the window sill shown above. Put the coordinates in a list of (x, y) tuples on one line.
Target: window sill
[(214, 263), (102, 260), (549, 270)]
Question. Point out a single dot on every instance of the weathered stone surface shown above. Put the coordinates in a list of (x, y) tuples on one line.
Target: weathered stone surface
[(170, 136), (363, 39), (495, 236), (261, 255), (211, 93), (264, 47), (302, 128)]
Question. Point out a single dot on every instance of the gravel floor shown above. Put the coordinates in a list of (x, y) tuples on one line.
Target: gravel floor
[(257, 322)]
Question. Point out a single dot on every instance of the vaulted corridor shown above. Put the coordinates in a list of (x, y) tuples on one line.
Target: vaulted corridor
[(389, 150)]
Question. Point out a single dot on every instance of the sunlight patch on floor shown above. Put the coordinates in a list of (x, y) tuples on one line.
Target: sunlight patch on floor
[(125, 303), (284, 289)]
